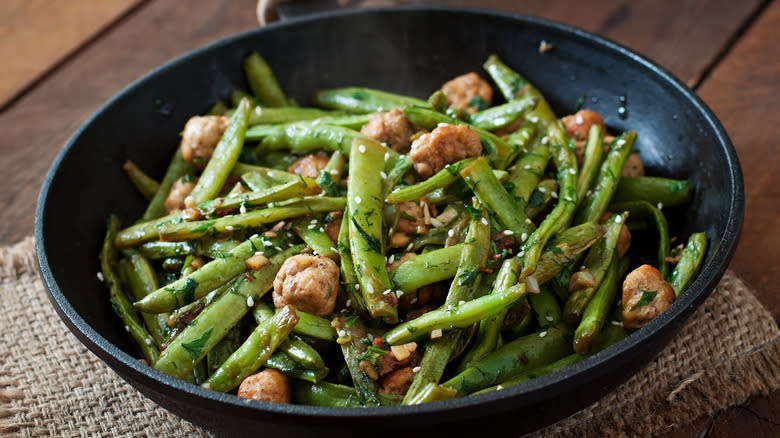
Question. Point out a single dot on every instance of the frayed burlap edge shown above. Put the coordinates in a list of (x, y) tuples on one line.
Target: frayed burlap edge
[(15, 260)]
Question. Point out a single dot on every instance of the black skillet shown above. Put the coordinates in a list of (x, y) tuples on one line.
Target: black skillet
[(406, 50)]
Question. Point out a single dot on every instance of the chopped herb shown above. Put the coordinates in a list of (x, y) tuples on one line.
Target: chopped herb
[(373, 242), (377, 349), (475, 213), (327, 184), (478, 103), (188, 178), (186, 292), (579, 102), (467, 278), (194, 347), (408, 217), (647, 297)]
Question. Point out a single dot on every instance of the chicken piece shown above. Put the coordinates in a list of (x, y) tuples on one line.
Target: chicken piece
[(398, 381), (468, 93), (200, 138), (268, 385), (180, 189), (578, 124), (391, 127), (308, 283), (334, 226), (624, 239), (415, 217), (309, 165), (445, 145), (633, 166), (645, 295)]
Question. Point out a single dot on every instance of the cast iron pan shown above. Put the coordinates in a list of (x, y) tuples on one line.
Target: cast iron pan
[(406, 50)]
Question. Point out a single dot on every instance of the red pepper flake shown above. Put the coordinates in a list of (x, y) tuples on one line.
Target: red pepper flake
[(248, 276), (485, 270)]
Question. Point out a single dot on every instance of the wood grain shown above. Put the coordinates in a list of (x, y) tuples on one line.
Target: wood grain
[(742, 92), (35, 35)]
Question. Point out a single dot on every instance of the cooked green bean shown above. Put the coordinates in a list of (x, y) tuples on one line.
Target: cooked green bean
[(145, 184), (178, 168), (363, 100), (262, 81), (655, 190), (595, 314), (690, 261), (591, 160), (643, 210)]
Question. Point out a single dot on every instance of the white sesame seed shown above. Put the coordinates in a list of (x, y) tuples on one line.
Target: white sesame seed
[(527, 167), (399, 293), (358, 200), (508, 232), (242, 209), (383, 174), (435, 334), (554, 194), (461, 302), (229, 227), (277, 248), (484, 221), (357, 286), (524, 237), (441, 124), (387, 291), (334, 172), (545, 140), (621, 142), (387, 156), (254, 236), (270, 173), (660, 205), (127, 329), (148, 341), (267, 243), (521, 253), (416, 369), (499, 387), (409, 247), (526, 135), (249, 301), (549, 318), (362, 148), (543, 334), (572, 171), (258, 110), (450, 233), (311, 226), (617, 323), (618, 219), (370, 288), (100, 277), (579, 120), (542, 190), (533, 119), (528, 221)]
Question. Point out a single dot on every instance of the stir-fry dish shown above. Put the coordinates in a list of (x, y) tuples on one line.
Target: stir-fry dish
[(376, 249)]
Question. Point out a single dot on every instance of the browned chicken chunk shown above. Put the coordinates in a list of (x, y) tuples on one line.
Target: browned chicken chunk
[(415, 217), (645, 295), (180, 189), (445, 145), (308, 283), (398, 381), (578, 124), (309, 165), (633, 166), (391, 127), (200, 138), (334, 226), (268, 385), (463, 91)]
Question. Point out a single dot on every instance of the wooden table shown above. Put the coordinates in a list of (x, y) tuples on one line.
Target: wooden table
[(62, 60)]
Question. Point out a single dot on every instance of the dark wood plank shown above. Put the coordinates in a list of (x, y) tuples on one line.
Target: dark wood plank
[(742, 91), (27, 47)]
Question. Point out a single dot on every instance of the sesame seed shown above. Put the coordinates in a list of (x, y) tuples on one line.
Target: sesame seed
[(528, 221), (148, 341), (387, 291), (533, 119), (249, 301), (484, 221), (312, 226), (579, 120), (617, 323), (100, 277), (521, 253), (621, 142), (508, 232), (618, 219), (334, 172), (370, 288), (450, 233), (441, 124), (229, 227), (435, 334), (362, 149), (499, 387), (277, 248), (399, 293), (660, 205), (127, 329), (524, 237), (270, 173), (242, 209), (382, 174), (554, 195), (358, 200), (387, 156), (416, 369), (572, 171), (543, 334), (545, 140), (549, 318), (349, 303), (526, 135), (357, 286), (461, 302), (409, 247), (527, 167)]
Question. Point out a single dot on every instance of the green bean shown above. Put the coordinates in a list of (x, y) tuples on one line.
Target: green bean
[(363, 100), (597, 261), (533, 351), (609, 336), (215, 248), (209, 277), (299, 188), (178, 168), (333, 395), (219, 353), (159, 250), (501, 115), (314, 327), (119, 302), (591, 160), (224, 157), (262, 81), (459, 315), (427, 268), (492, 194), (352, 333), (348, 274), (218, 109), (473, 256), (196, 229), (438, 101), (286, 114), (595, 203), (546, 307), (431, 393), (312, 232), (655, 190), (330, 175), (254, 351), (307, 136), (523, 137), (284, 363), (213, 323), (270, 176), (498, 151), (690, 261), (145, 184), (141, 280), (365, 199), (643, 210), (236, 96), (595, 313), (353, 121), (294, 347)]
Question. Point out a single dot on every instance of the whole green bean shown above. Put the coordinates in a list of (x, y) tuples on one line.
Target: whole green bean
[(643, 210), (333, 395), (264, 115), (546, 307), (364, 200), (141, 280), (283, 362), (119, 302), (159, 250), (145, 184), (349, 279), (527, 171), (690, 261), (224, 157), (314, 327), (427, 268), (364, 100), (262, 81), (501, 115), (254, 351)]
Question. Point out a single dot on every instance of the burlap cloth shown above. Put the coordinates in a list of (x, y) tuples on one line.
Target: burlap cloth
[(51, 385)]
